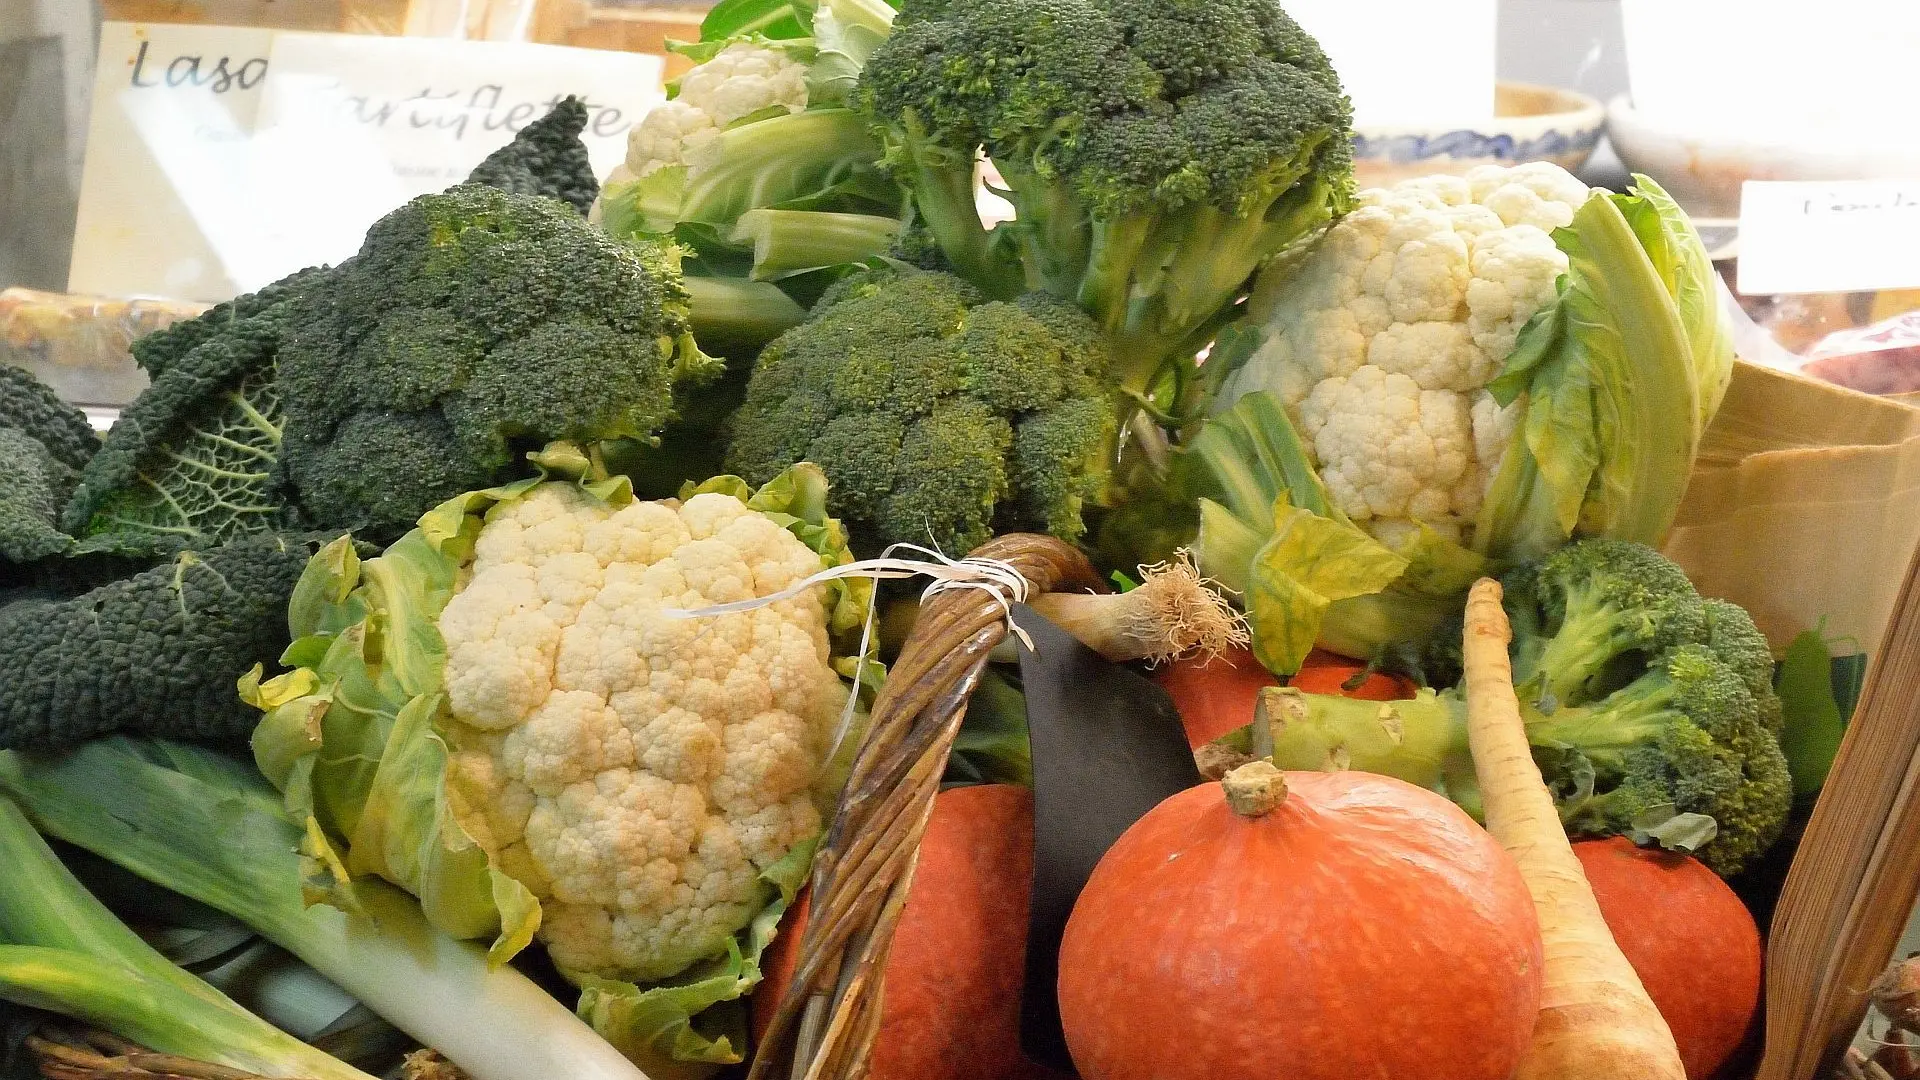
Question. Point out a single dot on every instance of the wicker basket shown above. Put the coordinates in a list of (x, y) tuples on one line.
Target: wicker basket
[(825, 1026)]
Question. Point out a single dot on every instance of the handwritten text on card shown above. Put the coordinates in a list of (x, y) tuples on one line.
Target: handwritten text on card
[(223, 158), (1829, 236)]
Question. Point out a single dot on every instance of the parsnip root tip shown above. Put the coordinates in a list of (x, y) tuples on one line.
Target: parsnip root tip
[(1486, 615)]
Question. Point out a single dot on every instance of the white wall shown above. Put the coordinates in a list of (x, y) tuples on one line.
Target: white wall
[(46, 65)]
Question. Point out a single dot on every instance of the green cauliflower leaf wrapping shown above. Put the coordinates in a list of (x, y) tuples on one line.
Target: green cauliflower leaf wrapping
[(403, 737)]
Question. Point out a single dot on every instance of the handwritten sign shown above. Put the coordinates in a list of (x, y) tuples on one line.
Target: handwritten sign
[(1408, 63), (220, 159), (1829, 236)]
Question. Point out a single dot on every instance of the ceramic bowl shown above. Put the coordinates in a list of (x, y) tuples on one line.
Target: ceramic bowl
[(1704, 171), (1530, 123)]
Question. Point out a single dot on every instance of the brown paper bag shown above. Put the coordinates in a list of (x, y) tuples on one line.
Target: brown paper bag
[(1804, 507)]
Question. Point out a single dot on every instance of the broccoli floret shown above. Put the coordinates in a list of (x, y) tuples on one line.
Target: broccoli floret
[(546, 158), (1157, 152), (157, 652), (1592, 609), (193, 462), (1683, 721), (939, 416), (1734, 638), (473, 326)]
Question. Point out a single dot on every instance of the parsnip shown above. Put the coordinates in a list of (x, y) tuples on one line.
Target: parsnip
[(1596, 1021)]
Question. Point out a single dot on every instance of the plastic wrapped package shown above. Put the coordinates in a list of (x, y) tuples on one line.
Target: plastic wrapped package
[(79, 345), (1883, 358), (1865, 341)]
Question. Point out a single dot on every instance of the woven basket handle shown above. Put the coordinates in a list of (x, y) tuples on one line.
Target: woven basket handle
[(826, 1024)]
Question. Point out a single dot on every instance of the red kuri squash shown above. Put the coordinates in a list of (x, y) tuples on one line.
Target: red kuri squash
[(951, 1009), (1216, 695), (1692, 942), (1325, 927)]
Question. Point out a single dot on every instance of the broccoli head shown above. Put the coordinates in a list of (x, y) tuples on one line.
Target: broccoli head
[(938, 415), (546, 158), (159, 651), (44, 443), (1157, 152), (1671, 721), (473, 326)]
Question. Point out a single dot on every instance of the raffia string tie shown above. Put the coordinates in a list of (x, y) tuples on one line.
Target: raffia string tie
[(999, 580)]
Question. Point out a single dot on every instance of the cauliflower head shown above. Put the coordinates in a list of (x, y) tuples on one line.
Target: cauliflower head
[(520, 713), (1380, 343), (744, 78), (638, 771)]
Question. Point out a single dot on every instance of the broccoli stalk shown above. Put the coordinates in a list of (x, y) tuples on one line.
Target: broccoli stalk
[(783, 201), (1671, 732), (732, 315), (786, 242), (1157, 155)]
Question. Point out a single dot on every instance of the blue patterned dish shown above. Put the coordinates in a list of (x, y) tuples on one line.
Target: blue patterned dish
[(1531, 123)]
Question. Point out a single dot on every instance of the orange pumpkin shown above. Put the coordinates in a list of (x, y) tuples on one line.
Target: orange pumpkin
[(1692, 942), (1359, 927), (951, 1009), (1216, 695)]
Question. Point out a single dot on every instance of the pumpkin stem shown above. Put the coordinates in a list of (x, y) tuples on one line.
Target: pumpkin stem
[(1255, 789)]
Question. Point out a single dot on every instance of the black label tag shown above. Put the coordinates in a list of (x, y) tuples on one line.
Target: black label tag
[(1108, 746)]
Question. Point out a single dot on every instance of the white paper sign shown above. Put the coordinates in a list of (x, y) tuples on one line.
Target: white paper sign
[(1408, 63), (1829, 236), (222, 159)]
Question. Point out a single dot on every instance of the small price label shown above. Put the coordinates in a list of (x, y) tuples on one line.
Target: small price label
[(1829, 236)]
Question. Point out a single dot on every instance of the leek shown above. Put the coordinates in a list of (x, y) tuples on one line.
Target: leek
[(61, 950), (211, 828)]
